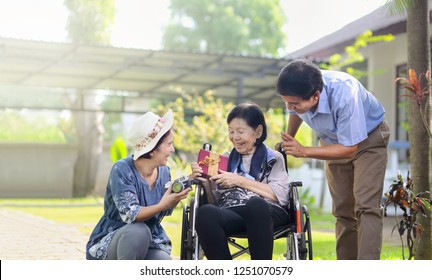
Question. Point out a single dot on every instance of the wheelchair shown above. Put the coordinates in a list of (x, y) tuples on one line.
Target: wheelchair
[(297, 232)]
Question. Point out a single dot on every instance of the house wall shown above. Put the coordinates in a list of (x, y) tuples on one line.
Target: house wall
[(383, 58), (36, 170)]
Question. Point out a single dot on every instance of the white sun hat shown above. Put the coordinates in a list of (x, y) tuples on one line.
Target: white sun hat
[(147, 130)]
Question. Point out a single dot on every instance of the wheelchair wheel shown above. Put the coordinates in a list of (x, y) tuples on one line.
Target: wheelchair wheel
[(291, 246), (186, 247), (188, 236), (307, 233), (299, 245)]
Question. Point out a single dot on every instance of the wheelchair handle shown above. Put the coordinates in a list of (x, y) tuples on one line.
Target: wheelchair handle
[(207, 146), (280, 150), (296, 184)]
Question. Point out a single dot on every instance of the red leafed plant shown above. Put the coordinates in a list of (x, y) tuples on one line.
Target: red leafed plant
[(400, 194), (413, 86)]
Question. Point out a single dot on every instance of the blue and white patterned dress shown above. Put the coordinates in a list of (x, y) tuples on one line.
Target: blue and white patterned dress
[(126, 193)]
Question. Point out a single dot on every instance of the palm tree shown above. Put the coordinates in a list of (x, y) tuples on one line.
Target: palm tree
[(419, 60)]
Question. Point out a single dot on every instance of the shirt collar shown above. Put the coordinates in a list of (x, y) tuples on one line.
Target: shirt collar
[(323, 105)]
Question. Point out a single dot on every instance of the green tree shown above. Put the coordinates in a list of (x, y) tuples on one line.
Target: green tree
[(347, 61), (226, 26), (89, 22), (419, 60)]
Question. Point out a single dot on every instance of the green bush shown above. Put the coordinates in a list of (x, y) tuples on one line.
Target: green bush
[(25, 126)]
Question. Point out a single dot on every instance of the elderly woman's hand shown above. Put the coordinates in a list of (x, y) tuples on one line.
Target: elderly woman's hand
[(197, 173), (227, 179)]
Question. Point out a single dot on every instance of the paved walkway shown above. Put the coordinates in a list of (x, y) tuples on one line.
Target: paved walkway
[(27, 237)]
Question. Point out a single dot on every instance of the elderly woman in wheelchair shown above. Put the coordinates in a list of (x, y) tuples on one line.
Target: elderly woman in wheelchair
[(251, 197)]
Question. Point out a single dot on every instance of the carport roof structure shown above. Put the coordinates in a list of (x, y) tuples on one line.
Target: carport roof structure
[(137, 74)]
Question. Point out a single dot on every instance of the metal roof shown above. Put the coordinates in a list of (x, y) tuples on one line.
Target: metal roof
[(133, 74)]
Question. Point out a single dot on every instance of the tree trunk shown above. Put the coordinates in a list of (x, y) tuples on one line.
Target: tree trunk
[(420, 143), (89, 130)]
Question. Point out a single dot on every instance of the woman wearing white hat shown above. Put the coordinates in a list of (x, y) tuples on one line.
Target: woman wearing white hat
[(136, 200)]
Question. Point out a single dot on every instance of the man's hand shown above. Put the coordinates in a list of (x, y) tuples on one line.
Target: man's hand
[(291, 146)]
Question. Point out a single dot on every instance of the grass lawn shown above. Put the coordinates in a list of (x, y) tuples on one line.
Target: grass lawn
[(85, 213)]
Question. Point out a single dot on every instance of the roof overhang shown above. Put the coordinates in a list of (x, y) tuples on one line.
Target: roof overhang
[(136, 73)]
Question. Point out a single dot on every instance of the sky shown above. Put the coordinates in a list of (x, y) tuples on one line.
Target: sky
[(139, 23)]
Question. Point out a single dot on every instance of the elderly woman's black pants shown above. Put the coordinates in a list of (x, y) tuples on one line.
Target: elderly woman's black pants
[(257, 219)]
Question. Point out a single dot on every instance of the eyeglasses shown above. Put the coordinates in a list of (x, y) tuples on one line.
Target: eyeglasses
[(299, 101)]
